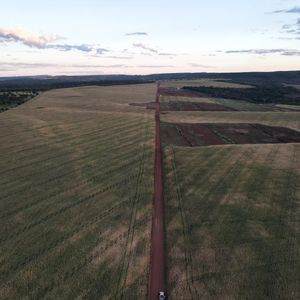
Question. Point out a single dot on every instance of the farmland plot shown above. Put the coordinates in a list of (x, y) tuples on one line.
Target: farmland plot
[(202, 134), (232, 221), (232, 211), (203, 82), (192, 103), (76, 195), (280, 119)]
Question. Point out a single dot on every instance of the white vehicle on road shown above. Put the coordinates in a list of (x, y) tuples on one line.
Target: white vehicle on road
[(162, 296)]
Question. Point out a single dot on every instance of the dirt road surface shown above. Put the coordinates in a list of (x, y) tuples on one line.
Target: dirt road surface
[(157, 266)]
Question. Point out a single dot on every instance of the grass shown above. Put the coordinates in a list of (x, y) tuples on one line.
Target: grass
[(232, 222), (203, 82), (76, 202), (76, 195), (285, 119), (232, 211)]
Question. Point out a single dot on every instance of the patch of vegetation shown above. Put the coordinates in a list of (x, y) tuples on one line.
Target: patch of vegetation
[(259, 94), (58, 82), (12, 98)]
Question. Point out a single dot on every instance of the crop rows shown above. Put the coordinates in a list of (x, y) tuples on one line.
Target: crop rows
[(226, 199), (71, 203)]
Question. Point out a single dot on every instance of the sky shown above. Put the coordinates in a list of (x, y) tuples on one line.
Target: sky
[(67, 37)]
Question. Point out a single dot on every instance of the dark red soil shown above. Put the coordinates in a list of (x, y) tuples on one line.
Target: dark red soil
[(185, 134), (167, 91), (193, 106), (157, 265)]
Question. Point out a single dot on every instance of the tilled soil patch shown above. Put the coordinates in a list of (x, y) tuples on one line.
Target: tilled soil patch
[(167, 91), (193, 135), (193, 106)]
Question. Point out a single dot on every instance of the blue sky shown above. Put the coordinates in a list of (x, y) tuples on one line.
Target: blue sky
[(142, 37)]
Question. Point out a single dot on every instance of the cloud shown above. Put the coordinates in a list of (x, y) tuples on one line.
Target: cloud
[(254, 51), (33, 40), (155, 66), (24, 65), (17, 65), (27, 37), (286, 26), (150, 51), (101, 50), (167, 54), (291, 53), (100, 66), (145, 47), (82, 48), (136, 33), (196, 65), (118, 57), (65, 47), (286, 52), (294, 10), (292, 28)]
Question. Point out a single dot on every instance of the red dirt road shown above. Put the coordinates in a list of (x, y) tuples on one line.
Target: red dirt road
[(157, 260)]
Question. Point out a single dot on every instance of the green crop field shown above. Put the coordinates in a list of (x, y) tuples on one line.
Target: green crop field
[(77, 189), (76, 194), (232, 211), (232, 215), (233, 221)]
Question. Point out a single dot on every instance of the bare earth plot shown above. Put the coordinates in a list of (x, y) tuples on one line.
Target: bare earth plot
[(76, 190), (232, 212), (188, 102), (203, 134)]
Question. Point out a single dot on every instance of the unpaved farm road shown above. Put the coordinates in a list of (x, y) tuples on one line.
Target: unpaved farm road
[(157, 264)]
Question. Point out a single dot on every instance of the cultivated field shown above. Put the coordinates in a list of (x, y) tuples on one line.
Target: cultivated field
[(235, 105), (77, 189), (232, 215), (76, 194), (203, 82), (285, 119), (232, 211)]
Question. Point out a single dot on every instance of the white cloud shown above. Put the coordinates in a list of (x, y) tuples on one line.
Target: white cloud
[(286, 52), (27, 37), (83, 48), (196, 65), (294, 10), (33, 40), (145, 47), (136, 33)]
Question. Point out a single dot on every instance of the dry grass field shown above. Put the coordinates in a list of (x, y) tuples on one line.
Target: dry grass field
[(232, 211), (76, 194)]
